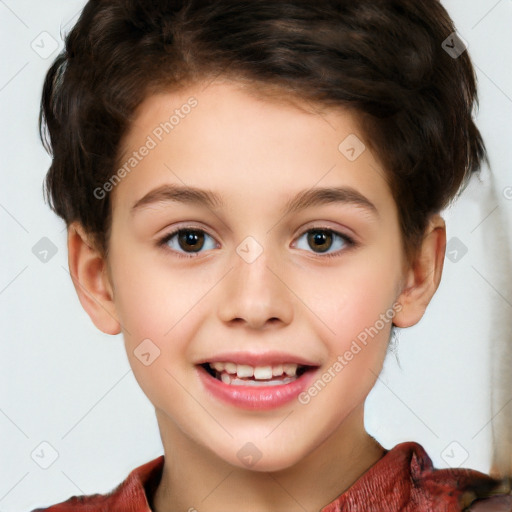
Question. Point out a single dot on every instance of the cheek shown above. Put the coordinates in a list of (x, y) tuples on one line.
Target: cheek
[(165, 307), (361, 320), (159, 312), (150, 300), (354, 298)]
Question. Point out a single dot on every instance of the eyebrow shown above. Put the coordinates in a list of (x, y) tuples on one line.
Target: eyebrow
[(304, 199)]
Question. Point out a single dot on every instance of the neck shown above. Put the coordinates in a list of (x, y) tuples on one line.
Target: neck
[(194, 478)]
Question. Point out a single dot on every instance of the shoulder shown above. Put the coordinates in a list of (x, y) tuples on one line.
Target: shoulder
[(452, 488), (84, 503), (405, 480), (131, 494), (501, 503)]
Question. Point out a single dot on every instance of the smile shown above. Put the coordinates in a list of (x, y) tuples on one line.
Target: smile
[(247, 375), (255, 387)]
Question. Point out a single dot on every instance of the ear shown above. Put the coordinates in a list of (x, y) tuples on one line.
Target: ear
[(88, 271), (423, 275)]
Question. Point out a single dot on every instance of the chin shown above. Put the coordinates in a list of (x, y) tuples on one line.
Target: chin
[(251, 458)]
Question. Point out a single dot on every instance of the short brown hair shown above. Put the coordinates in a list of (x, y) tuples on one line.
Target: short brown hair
[(381, 58)]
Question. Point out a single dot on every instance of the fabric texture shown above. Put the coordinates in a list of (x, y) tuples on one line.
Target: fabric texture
[(404, 479)]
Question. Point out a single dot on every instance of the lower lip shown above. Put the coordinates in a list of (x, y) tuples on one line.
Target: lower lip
[(256, 398)]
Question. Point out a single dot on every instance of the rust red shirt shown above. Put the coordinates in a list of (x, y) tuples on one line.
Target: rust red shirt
[(404, 479)]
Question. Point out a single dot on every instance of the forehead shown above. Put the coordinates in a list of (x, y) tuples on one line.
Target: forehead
[(245, 143)]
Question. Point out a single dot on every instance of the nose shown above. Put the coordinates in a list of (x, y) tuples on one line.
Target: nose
[(255, 293)]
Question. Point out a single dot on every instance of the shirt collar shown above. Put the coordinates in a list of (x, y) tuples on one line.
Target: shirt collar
[(404, 477)]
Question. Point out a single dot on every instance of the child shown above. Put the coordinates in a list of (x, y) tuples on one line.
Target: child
[(252, 192)]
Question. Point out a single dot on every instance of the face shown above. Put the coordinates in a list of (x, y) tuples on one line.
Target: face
[(270, 303)]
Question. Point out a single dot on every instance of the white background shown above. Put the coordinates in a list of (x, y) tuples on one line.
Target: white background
[(65, 383)]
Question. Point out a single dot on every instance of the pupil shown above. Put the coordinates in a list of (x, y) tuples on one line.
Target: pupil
[(320, 237), (190, 240)]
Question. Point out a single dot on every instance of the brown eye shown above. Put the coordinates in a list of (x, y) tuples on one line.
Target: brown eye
[(187, 242), (320, 239), (191, 240), (325, 240)]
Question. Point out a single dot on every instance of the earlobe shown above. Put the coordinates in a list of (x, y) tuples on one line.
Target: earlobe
[(88, 271), (424, 275)]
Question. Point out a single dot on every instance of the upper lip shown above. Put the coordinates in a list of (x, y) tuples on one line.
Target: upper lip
[(258, 359)]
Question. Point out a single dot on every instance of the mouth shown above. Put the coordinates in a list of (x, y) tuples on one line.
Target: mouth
[(246, 375), (256, 381)]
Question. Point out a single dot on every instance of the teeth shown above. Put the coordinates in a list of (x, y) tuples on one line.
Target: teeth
[(258, 372), (262, 372), (217, 366), (277, 370), (290, 369), (230, 367), (244, 370), (235, 381)]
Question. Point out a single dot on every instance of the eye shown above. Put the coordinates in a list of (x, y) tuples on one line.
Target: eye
[(187, 241), (325, 239)]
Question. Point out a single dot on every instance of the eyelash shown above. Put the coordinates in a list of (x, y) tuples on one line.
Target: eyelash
[(350, 242)]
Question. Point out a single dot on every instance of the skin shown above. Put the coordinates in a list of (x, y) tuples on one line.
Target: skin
[(291, 298)]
